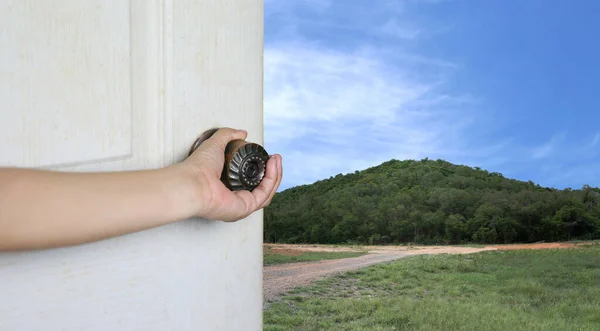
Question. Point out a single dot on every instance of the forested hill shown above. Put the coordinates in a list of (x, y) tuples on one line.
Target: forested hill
[(430, 202)]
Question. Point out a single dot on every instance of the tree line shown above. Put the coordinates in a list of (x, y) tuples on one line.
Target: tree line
[(430, 202)]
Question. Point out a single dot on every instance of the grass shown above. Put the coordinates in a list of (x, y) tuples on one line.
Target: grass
[(275, 257), (555, 289)]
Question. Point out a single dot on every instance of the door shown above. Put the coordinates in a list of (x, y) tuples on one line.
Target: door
[(108, 85)]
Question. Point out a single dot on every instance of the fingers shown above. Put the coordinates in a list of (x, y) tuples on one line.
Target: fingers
[(261, 196), (247, 200), (269, 184), (279, 172), (244, 205), (224, 135)]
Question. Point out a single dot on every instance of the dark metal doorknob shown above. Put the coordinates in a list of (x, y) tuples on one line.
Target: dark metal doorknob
[(245, 163)]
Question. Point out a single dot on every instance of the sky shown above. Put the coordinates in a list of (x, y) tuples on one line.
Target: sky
[(509, 86)]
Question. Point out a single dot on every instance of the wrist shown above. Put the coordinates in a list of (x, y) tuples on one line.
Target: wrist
[(184, 192)]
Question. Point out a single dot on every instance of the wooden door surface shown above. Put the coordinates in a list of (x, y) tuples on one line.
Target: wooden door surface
[(108, 85)]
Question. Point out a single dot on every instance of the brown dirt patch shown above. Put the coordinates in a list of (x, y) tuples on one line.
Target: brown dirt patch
[(311, 248), (283, 251), (537, 246)]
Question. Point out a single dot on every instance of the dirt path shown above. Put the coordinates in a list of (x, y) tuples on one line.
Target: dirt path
[(279, 279)]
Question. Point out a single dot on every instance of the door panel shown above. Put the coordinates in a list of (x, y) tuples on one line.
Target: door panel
[(82, 85), (65, 84), (117, 85)]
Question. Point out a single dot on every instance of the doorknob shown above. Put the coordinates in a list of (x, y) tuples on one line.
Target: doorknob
[(245, 163)]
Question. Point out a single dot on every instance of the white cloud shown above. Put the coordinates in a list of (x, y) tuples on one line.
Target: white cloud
[(549, 148), (403, 31), (595, 141), (543, 151), (330, 111), (336, 105), (308, 83)]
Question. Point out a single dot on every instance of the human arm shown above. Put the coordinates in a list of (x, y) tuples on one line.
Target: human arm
[(42, 209)]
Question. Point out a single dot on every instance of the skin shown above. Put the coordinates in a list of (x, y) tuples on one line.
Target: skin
[(45, 209)]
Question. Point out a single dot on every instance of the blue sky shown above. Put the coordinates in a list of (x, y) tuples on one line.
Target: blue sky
[(509, 86)]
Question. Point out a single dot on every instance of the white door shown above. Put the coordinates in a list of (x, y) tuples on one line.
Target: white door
[(119, 85)]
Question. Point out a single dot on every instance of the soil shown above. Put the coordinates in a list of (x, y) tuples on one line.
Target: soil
[(278, 279), (312, 248), (539, 246), (284, 251)]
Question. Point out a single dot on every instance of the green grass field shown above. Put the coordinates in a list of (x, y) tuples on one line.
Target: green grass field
[(272, 257), (498, 290)]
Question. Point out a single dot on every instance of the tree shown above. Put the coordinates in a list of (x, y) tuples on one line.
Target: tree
[(429, 202), (455, 229)]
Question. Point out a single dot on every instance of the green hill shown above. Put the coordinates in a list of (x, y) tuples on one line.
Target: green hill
[(430, 202)]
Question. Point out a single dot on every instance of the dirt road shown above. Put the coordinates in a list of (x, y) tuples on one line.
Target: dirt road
[(279, 279)]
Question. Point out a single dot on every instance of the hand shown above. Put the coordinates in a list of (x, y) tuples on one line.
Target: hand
[(216, 201), (74, 208)]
